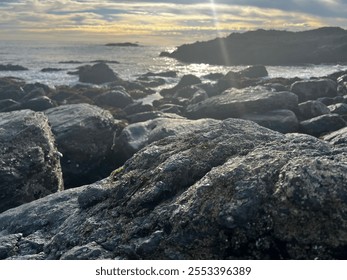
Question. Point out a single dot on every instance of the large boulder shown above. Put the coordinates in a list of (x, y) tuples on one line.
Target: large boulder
[(314, 89), (12, 91), (99, 73), (114, 98), (284, 121), (311, 109), (321, 125), (29, 160), (233, 190), (84, 135), (237, 102)]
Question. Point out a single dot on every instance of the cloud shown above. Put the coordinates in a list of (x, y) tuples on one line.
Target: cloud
[(170, 21)]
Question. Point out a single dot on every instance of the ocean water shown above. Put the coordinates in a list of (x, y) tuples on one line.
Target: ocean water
[(133, 62)]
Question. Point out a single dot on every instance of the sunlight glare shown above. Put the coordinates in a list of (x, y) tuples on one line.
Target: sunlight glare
[(222, 45)]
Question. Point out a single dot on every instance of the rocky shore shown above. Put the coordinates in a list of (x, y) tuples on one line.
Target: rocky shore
[(268, 47), (238, 167)]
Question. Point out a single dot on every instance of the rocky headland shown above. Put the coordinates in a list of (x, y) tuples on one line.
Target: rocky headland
[(268, 47), (238, 167), (125, 44)]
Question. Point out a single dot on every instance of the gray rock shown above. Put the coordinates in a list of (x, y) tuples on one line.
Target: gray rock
[(321, 125), (199, 96), (99, 73), (14, 92), (171, 108), (29, 160), (138, 107), (40, 218), (8, 245), (91, 251), (146, 116), (6, 104), (284, 121), (311, 109), (231, 190), (342, 85), (114, 98), (34, 93), (339, 108), (255, 71), (38, 104), (338, 137), (138, 135), (11, 67), (237, 102), (35, 90), (84, 135), (186, 81), (314, 89), (327, 100)]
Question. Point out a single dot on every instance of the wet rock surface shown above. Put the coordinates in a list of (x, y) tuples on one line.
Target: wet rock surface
[(29, 160), (173, 176), (84, 135), (233, 190)]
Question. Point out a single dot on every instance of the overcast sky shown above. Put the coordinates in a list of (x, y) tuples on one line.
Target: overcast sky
[(160, 22)]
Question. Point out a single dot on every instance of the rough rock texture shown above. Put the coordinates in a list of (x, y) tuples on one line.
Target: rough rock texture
[(233, 190), (268, 47), (29, 161), (84, 135), (323, 124), (237, 102), (284, 121), (338, 137), (314, 89)]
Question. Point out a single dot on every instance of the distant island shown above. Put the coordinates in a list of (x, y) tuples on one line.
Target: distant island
[(268, 47), (126, 44)]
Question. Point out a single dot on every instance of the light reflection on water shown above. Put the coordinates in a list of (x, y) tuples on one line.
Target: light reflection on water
[(133, 61)]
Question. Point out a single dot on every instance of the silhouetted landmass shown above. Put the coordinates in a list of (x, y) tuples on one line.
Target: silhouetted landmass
[(272, 47), (127, 44)]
